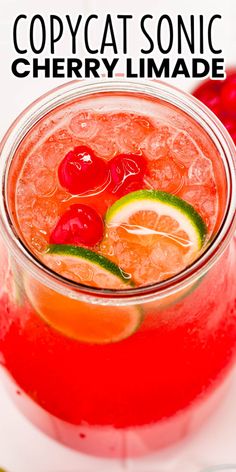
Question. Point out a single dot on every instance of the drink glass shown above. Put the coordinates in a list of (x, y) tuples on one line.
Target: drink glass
[(145, 392)]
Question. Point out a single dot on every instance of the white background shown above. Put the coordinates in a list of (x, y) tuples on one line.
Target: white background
[(22, 447)]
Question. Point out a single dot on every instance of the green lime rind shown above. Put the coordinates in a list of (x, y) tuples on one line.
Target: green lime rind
[(135, 312), (163, 197), (89, 256)]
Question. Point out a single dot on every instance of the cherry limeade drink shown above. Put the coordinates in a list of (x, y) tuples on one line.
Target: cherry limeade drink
[(115, 195)]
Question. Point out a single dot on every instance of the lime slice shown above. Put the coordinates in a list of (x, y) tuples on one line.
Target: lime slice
[(85, 266), (163, 204), (163, 233), (85, 322)]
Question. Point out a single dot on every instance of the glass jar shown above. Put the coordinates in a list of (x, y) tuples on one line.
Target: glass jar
[(140, 394)]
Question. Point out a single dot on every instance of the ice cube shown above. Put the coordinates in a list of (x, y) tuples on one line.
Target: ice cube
[(85, 125), (184, 149), (156, 145), (201, 171)]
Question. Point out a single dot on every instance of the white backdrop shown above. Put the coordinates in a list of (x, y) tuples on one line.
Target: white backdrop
[(22, 447)]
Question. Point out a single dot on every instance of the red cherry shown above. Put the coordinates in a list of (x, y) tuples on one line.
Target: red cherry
[(79, 225), (228, 95), (220, 96), (233, 136), (209, 94), (127, 173), (230, 124), (131, 187), (81, 171)]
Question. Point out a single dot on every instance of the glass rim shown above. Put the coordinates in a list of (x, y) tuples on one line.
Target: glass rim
[(157, 89)]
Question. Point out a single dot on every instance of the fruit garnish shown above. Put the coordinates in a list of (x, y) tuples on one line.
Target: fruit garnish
[(80, 224), (81, 171), (153, 235), (127, 173), (85, 265), (220, 97), (230, 123), (209, 93), (83, 321)]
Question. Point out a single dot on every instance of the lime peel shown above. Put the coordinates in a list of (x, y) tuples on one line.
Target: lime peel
[(77, 319), (90, 257)]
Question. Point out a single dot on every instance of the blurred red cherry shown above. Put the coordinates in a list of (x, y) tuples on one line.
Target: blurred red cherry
[(209, 94), (220, 97), (228, 96)]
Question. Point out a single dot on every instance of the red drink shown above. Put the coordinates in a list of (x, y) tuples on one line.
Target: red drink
[(120, 372)]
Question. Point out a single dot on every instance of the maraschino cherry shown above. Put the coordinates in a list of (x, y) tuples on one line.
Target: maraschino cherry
[(81, 171), (127, 173)]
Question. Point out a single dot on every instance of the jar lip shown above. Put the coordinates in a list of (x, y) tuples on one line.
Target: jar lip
[(157, 89)]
